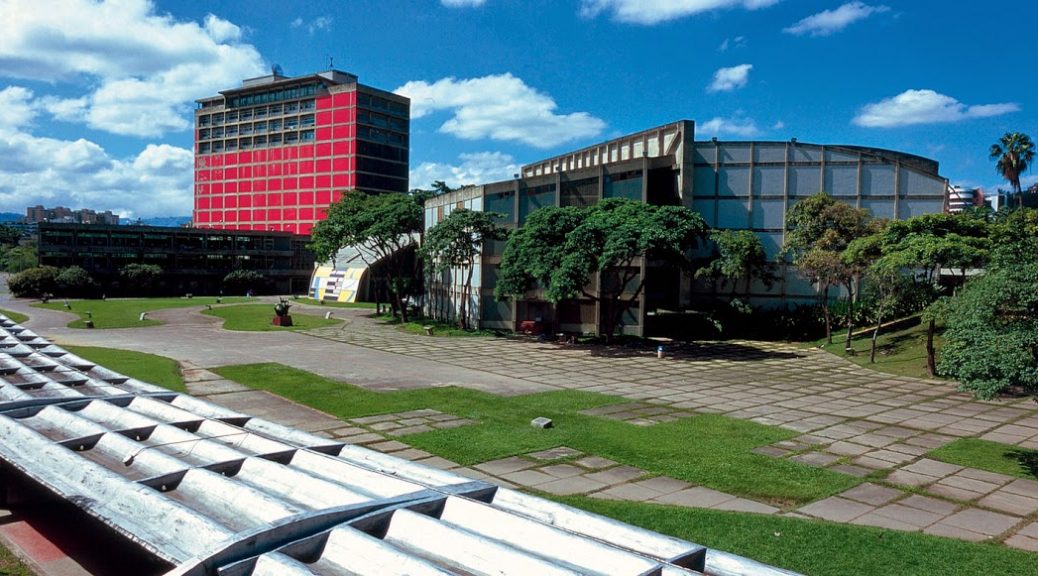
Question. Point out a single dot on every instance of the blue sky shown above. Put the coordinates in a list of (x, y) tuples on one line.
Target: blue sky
[(96, 97)]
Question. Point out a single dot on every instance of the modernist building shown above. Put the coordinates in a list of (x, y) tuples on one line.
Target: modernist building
[(275, 152), (733, 185), (192, 260)]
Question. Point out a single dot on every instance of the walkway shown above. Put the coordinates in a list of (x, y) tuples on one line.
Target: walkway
[(852, 420)]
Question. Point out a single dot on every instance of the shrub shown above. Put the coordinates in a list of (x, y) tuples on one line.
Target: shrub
[(34, 282), (75, 282)]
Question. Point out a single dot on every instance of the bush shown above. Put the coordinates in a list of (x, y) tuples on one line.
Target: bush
[(34, 282), (140, 277), (75, 282), (243, 281)]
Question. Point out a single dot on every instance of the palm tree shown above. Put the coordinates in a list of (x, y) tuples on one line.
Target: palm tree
[(1013, 154)]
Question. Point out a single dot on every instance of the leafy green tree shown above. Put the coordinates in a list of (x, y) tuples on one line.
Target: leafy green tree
[(9, 235), (455, 243), (563, 250), (75, 282), (34, 282), (141, 277), (932, 242), (738, 255), (1013, 155), (385, 225), (819, 229), (18, 258), (991, 335), (242, 281)]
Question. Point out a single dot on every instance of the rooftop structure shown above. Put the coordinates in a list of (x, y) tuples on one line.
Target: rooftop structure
[(207, 490), (273, 153)]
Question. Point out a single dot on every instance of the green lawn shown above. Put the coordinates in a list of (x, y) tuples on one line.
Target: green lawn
[(442, 329), (17, 317), (258, 318), (125, 313), (150, 368), (990, 456), (708, 449), (900, 351), (819, 548)]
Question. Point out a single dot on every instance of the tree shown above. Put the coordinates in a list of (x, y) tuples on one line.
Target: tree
[(563, 250), (141, 276), (738, 255), (9, 235), (930, 243), (1013, 154), (243, 281), (74, 281), (819, 229), (34, 282), (991, 335), (383, 225), (19, 258), (456, 242)]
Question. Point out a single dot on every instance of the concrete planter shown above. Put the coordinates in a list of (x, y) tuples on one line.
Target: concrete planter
[(282, 321)]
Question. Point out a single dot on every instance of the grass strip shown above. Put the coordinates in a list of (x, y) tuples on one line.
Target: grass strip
[(990, 456), (707, 449), (149, 368), (259, 317), (818, 548), (125, 313), (16, 317)]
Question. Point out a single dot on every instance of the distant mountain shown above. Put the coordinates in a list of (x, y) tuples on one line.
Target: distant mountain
[(164, 221), (10, 216)]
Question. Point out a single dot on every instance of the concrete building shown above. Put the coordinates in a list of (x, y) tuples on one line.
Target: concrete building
[(192, 260), (961, 197), (61, 214), (275, 152), (732, 184)]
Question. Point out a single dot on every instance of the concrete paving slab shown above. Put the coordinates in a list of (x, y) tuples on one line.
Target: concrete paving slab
[(836, 509)]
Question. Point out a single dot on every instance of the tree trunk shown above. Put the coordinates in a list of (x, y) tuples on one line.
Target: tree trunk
[(931, 356), (875, 336), (850, 314), (828, 315), (465, 304)]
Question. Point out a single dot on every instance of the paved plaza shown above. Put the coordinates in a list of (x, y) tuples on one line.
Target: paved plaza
[(850, 419)]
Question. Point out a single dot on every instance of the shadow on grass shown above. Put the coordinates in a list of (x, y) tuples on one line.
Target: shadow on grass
[(1027, 459), (690, 351)]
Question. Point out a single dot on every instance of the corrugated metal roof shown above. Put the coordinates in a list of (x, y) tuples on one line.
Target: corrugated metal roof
[(217, 492)]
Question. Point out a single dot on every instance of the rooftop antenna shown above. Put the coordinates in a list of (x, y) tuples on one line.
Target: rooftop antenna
[(276, 70), (331, 62)]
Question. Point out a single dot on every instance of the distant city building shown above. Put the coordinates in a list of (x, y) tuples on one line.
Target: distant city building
[(962, 197), (275, 152), (192, 260), (63, 215), (733, 185)]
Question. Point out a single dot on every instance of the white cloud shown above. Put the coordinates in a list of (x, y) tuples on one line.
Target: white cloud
[(737, 126), (737, 42), (778, 125), (473, 168), (137, 71), (655, 11), (81, 174), (924, 107), (16, 108), (463, 3), (319, 23), (830, 21), (500, 107), (728, 79)]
